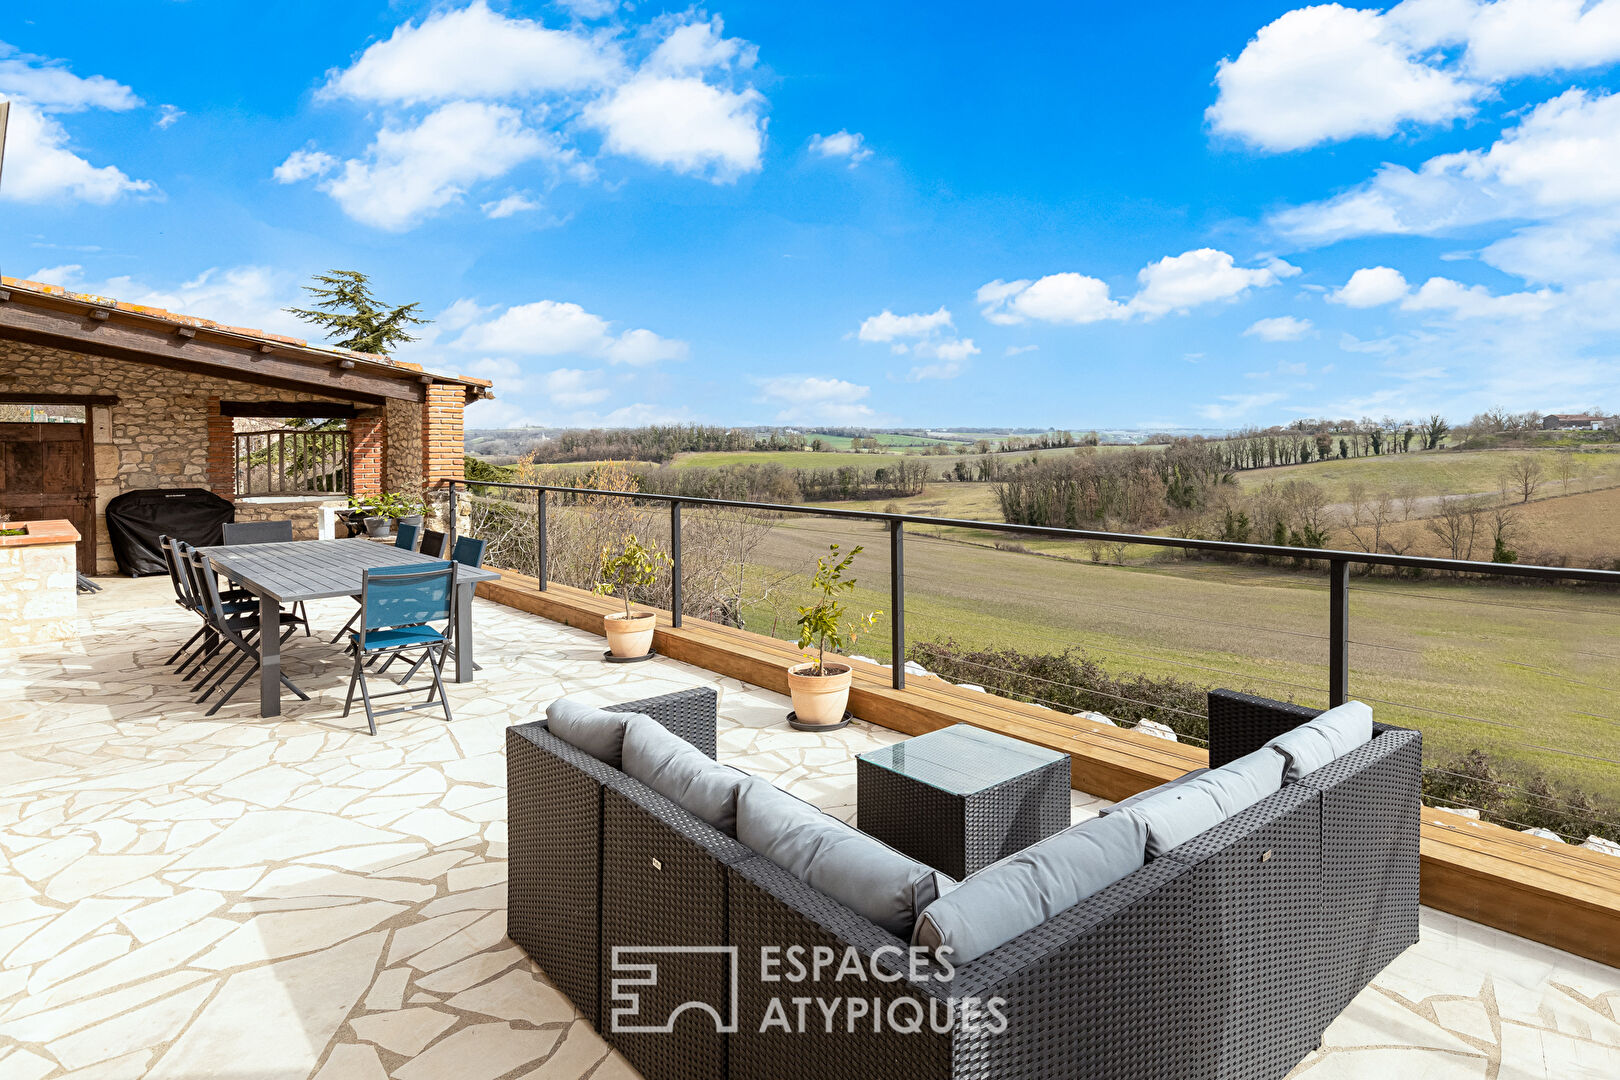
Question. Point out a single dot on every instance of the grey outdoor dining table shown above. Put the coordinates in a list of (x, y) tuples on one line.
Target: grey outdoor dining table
[(283, 574)]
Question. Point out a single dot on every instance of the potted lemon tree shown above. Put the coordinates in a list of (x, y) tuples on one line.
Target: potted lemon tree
[(820, 687), (629, 566)]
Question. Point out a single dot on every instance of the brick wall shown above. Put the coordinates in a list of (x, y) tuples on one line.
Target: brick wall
[(443, 450), (368, 446), (221, 451)]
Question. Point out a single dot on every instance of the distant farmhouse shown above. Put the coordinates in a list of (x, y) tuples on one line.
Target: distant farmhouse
[(1575, 422)]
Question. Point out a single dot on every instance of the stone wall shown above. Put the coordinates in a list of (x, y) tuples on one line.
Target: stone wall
[(402, 463), (157, 436), (39, 603)]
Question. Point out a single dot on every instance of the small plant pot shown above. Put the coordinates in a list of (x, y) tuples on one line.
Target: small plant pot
[(408, 519), (819, 700), (630, 637), (377, 526)]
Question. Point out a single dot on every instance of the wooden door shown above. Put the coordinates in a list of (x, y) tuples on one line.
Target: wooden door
[(45, 474)]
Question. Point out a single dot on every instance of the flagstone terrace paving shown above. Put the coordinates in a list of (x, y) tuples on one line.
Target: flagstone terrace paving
[(251, 898)]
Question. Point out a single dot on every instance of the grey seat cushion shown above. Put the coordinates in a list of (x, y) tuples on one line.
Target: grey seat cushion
[(682, 773), (596, 731), (1331, 735), (1022, 891), (1126, 804), (1174, 813), (859, 871)]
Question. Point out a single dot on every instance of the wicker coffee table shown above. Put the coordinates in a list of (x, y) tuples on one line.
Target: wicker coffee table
[(960, 798)]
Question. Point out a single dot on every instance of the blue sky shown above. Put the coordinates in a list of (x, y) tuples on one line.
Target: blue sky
[(1067, 214)]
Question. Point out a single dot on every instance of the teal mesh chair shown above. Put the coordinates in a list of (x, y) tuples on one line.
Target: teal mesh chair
[(397, 606), (468, 551), (405, 536)]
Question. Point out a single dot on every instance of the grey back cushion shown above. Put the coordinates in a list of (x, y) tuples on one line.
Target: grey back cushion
[(596, 731), (682, 773), (1331, 735), (1024, 890), (1126, 804), (1174, 813), (860, 872)]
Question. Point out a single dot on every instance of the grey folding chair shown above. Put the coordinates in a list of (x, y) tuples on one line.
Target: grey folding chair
[(236, 633), (433, 543), (265, 532)]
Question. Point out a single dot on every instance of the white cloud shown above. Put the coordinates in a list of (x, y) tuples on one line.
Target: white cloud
[(553, 328), (1059, 298), (1233, 406), (1327, 73), (1369, 287), (410, 172), (572, 387), (168, 116), (1019, 350), (1476, 302), (812, 399), (50, 86), (1511, 38), (474, 53), (1563, 157), (40, 166), (247, 296), (698, 46), (1280, 328), (1179, 282), (1174, 283), (887, 326), (950, 349), (515, 203), (683, 124), (947, 370), (848, 145), (590, 9), (303, 164)]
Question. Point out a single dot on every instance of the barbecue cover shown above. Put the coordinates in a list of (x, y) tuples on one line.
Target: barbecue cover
[(136, 519)]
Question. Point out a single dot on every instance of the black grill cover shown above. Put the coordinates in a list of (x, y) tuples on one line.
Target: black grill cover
[(136, 519)]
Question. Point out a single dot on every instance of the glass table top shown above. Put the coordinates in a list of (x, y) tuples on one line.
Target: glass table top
[(962, 759)]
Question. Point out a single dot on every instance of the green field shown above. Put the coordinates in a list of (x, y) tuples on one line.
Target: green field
[(1526, 673), (842, 442), (1443, 472)]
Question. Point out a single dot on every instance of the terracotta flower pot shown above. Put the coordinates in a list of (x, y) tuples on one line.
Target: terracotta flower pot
[(819, 699), (631, 636)]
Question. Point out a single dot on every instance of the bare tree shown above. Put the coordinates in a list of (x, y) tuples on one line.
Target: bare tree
[(1524, 477), (1369, 518), (1564, 468), (1456, 524), (1504, 523)]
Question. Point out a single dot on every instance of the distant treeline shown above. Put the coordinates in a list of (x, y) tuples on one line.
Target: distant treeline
[(1309, 440), (1140, 489), (658, 443), (769, 483)]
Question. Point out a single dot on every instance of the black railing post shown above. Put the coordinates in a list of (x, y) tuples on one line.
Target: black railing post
[(897, 602), (675, 598), (1338, 632), (541, 550), (451, 543)]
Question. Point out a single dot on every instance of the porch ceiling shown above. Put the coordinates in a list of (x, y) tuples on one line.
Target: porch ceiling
[(100, 327)]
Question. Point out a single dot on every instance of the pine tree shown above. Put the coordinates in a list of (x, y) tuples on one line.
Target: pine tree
[(349, 309)]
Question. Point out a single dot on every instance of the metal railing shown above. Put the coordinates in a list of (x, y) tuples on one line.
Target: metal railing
[(1337, 563), (292, 462)]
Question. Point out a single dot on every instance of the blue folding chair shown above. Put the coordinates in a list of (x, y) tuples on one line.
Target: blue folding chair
[(404, 537), (469, 551), (396, 605)]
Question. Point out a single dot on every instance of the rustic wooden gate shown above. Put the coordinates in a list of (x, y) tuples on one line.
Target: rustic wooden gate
[(45, 474)]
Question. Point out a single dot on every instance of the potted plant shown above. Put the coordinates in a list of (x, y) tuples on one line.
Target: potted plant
[(377, 511), (820, 689), (629, 566)]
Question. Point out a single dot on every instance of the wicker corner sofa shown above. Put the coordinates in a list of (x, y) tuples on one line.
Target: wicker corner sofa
[(1224, 958)]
